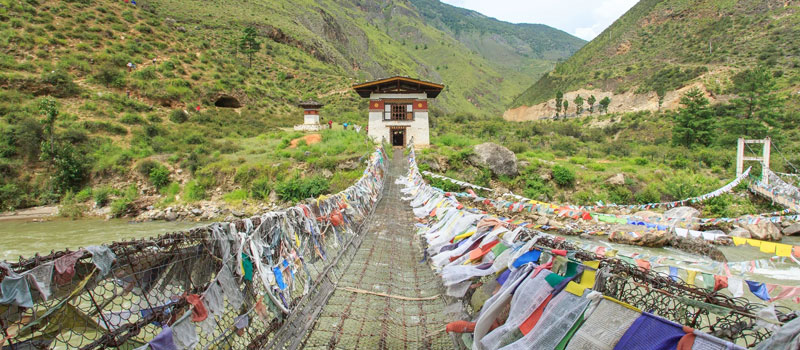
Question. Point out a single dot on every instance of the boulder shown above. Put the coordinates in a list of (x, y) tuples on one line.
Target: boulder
[(522, 164), (792, 229), (196, 212), (647, 215), (617, 180), (434, 165), (500, 160), (682, 213), (327, 173), (739, 232), (170, 216), (764, 230), (655, 239)]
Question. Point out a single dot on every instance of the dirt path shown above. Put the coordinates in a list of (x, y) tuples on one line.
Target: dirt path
[(359, 315)]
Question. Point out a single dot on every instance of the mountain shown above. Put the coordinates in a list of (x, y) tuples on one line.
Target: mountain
[(672, 45), (139, 83)]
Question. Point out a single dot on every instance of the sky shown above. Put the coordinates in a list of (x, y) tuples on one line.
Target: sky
[(582, 18)]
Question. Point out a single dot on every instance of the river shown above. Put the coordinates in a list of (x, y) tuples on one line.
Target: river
[(22, 237)]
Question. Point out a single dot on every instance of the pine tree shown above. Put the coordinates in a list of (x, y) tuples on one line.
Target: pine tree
[(559, 98), (604, 104), (755, 88), (249, 44), (565, 106), (694, 121), (578, 104), (591, 100)]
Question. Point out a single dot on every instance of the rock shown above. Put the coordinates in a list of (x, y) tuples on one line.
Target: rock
[(500, 160), (181, 29), (273, 197), (348, 165), (647, 215), (617, 180), (792, 230), (159, 215), (196, 212), (546, 177), (522, 164), (170, 22), (542, 221), (237, 213), (230, 218), (764, 230), (654, 239), (170, 216), (739, 232), (150, 207), (179, 171), (434, 165), (327, 173), (682, 213), (697, 246)]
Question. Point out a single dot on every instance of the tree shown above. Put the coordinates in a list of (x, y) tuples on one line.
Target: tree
[(661, 92), (604, 104), (755, 88), (565, 105), (578, 104), (694, 121), (591, 100), (559, 98), (249, 44), (47, 106)]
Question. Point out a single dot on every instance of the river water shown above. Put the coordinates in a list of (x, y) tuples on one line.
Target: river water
[(26, 238)]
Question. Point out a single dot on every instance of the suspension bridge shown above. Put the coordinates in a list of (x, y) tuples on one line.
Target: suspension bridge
[(389, 263)]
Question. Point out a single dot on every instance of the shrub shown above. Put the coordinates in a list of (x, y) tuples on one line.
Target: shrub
[(260, 188), (110, 76), (193, 191), (649, 194), (537, 189), (70, 168), (297, 189), (62, 83), (123, 204), (11, 197), (83, 195), (178, 116), (130, 118), (101, 195), (145, 166), (563, 176), (235, 196), (70, 207), (159, 176)]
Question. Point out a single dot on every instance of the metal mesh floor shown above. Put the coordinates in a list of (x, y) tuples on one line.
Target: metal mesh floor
[(387, 262)]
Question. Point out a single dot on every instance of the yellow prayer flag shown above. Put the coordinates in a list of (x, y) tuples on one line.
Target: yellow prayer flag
[(575, 288), (691, 278), (739, 240), (463, 235), (754, 242), (589, 275), (783, 249), (767, 247), (629, 306)]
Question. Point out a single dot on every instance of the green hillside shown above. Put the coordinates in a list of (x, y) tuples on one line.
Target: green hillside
[(666, 45), (112, 126)]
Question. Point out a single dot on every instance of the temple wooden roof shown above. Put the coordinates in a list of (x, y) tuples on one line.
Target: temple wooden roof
[(398, 84)]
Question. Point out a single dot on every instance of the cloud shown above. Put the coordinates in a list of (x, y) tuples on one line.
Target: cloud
[(582, 18)]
